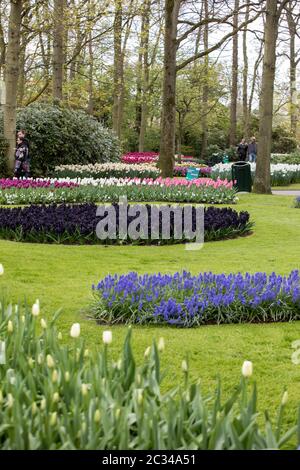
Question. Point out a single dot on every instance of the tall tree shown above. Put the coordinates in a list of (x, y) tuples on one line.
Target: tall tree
[(168, 118), (11, 78), (234, 77), (245, 77), (293, 23), (58, 50), (262, 182), (204, 115)]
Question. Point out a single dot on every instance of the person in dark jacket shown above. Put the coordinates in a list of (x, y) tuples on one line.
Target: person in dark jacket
[(22, 158), (252, 150), (242, 150)]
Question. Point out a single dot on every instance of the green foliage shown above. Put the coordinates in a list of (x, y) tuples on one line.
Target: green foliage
[(3, 148), (60, 135), (283, 141), (289, 158), (65, 397)]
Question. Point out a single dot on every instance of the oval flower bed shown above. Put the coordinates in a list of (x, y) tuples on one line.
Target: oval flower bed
[(76, 224), (186, 300), (201, 190)]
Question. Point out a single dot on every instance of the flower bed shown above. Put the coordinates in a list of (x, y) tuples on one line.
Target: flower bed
[(186, 300), (7, 183), (140, 157), (281, 174), (202, 190), (122, 170), (65, 397), (76, 224)]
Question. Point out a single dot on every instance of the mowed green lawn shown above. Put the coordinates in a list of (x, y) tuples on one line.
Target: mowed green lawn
[(61, 277)]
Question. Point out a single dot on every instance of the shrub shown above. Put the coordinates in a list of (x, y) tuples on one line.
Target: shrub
[(185, 300), (289, 158), (77, 224), (60, 135), (55, 396)]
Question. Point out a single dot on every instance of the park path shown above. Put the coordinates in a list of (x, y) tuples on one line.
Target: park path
[(292, 192)]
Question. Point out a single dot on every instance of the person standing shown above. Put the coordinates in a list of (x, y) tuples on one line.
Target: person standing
[(22, 158), (242, 150), (252, 150)]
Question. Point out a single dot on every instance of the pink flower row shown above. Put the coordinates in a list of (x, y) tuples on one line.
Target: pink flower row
[(6, 183), (139, 157), (207, 182)]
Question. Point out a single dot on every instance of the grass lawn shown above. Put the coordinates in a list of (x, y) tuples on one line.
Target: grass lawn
[(61, 276)]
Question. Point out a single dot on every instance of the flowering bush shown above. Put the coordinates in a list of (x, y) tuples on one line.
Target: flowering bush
[(65, 397), (186, 300), (202, 190), (281, 174), (77, 224), (121, 170)]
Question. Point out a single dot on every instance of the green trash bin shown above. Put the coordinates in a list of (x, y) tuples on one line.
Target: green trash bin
[(241, 174)]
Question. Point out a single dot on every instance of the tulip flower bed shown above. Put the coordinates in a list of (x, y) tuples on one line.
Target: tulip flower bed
[(139, 157), (281, 174), (202, 190), (185, 300), (66, 398), (76, 224), (7, 183), (122, 170)]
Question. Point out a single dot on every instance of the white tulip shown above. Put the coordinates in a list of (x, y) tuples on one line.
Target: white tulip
[(161, 344), (75, 330), (43, 324), (107, 337), (54, 376), (59, 336), (247, 369), (35, 309), (1, 270), (67, 376), (55, 397), (184, 366), (34, 408), (10, 400), (84, 389), (43, 404), (50, 361), (147, 352)]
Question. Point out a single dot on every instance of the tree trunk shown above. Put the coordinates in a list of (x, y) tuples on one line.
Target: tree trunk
[(90, 108), (204, 111), (234, 80), (145, 75), (11, 79), (262, 182), (168, 119), (245, 78), (293, 70), (118, 69), (58, 50), (2, 47)]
